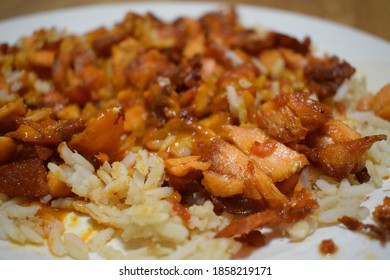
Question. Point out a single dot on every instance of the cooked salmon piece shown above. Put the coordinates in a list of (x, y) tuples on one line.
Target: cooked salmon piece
[(228, 160), (339, 149), (183, 165), (290, 117), (101, 135), (378, 103), (340, 159), (276, 160)]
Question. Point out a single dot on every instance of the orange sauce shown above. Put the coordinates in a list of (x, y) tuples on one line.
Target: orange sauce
[(179, 209), (327, 247)]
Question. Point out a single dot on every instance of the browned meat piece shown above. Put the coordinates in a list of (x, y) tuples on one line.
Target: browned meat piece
[(75, 71), (289, 118), (340, 159), (24, 178), (382, 213), (41, 58), (144, 71), (255, 45), (340, 150), (222, 22), (102, 41), (238, 205), (26, 174), (188, 74), (325, 76), (298, 207), (7, 149), (333, 131), (39, 127), (102, 135), (9, 113)]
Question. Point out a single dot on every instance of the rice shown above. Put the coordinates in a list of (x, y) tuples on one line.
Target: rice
[(75, 246), (236, 104), (129, 200)]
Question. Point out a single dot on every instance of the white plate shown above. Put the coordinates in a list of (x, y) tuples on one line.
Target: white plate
[(369, 54)]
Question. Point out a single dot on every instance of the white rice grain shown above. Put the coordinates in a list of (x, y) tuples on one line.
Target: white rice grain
[(21, 212), (100, 239), (55, 243), (11, 229), (301, 229), (75, 246), (236, 104), (32, 235)]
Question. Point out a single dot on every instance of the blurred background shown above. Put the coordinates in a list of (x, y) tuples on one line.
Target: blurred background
[(372, 16)]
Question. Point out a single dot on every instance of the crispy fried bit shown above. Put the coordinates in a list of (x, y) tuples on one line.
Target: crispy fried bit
[(340, 159), (382, 213), (39, 127), (254, 238), (381, 216), (255, 45), (75, 71), (333, 131), (299, 206), (325, 76), (26, 174), (7, 149), (238, 205), (289, 118), (9, 113), (145, 70), (327, 247), (340, 150), (26, 177)]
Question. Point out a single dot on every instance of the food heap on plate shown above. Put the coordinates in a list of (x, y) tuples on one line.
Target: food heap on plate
[(183, 140)]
